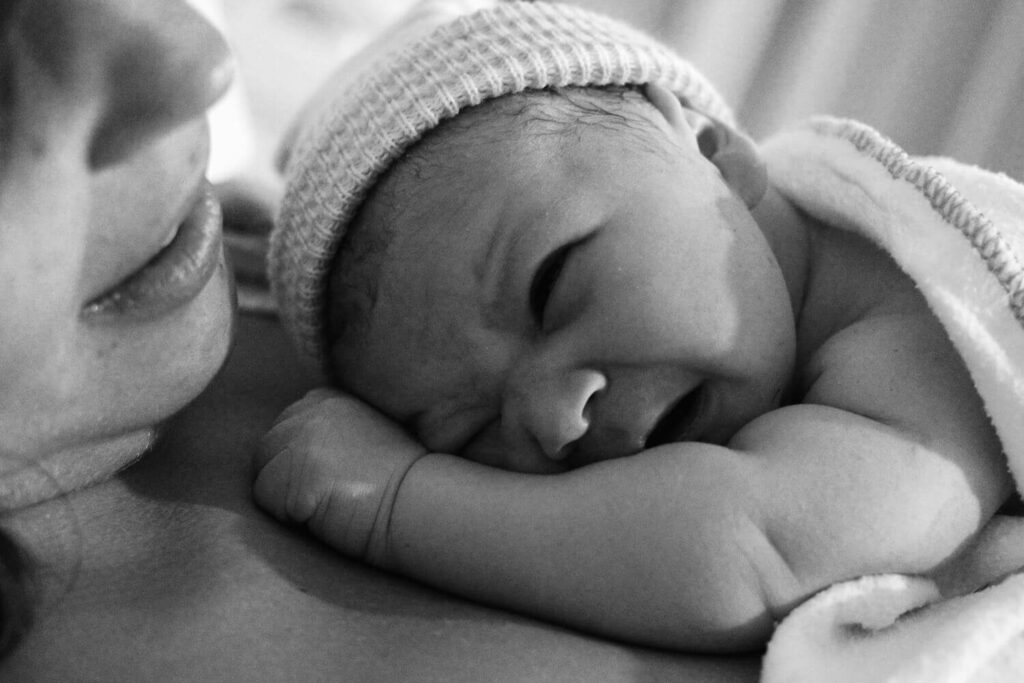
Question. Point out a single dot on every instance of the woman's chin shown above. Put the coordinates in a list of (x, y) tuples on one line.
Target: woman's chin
[(27, 480), (113, 412), (183, 355), (215, 332)]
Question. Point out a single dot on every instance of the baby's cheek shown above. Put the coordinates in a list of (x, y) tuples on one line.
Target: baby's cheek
[(484, 448)]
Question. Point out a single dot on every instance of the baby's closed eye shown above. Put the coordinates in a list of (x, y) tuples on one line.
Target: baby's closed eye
[(545, 280), (545, 285)]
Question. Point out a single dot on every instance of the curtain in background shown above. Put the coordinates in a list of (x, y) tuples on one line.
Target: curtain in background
[(937, 76)]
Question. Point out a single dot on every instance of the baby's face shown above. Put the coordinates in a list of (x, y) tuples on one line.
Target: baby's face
[(552, 300)]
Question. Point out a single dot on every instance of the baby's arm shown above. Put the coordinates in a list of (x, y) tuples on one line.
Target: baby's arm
[(688, 546), (639, 548)]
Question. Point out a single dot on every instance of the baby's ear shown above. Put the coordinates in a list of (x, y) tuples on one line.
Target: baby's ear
[(734, 154)]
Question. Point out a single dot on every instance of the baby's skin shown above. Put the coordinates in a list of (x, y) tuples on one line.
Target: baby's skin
[(618, 385)]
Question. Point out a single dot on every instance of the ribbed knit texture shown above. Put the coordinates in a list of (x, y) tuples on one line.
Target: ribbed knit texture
[(508, 48)]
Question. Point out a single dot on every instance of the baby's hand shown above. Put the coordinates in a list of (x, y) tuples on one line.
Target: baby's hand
[(334, 464)]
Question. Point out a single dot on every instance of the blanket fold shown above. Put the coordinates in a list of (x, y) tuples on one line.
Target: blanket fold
[(958, 232)]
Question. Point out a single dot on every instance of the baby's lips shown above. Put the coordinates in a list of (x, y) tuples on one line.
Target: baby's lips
[(681, 421)]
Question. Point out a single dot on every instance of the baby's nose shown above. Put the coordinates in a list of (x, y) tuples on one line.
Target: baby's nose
[(554, 412)]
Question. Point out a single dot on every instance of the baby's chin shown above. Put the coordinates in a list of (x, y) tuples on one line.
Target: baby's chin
[(26, 480)]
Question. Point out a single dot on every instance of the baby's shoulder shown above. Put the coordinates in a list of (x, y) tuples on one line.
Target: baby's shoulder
[(869, 341), (884, 342), (900, 369)]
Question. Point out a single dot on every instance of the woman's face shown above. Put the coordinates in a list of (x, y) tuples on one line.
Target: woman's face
[(115, 302)]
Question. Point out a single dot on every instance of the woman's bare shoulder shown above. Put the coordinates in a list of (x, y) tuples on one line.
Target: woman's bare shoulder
[(169, 572)]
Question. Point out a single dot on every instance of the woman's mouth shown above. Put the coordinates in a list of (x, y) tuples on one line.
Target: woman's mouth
[(173, 276), (681, 420)]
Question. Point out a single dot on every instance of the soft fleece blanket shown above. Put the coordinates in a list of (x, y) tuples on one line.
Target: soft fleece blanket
[(958, 231)]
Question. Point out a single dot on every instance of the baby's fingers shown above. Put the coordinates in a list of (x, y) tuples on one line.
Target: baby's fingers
[(298, 489), (311, 401), (290, 487), (276, 439), (292, 421), (272, 443), (274, 485)]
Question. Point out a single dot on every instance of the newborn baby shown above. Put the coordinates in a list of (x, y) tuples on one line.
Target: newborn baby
[(562, 258)]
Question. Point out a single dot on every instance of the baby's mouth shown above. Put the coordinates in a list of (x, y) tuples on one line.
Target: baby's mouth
[(681, 420)]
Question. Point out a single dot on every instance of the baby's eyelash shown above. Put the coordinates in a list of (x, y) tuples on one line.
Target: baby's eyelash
[(545, 279)]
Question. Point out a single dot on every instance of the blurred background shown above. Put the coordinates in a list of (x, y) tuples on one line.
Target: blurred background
[(937, 76)]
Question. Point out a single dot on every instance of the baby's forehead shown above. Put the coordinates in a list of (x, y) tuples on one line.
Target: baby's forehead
[(494, 141), (510, 143)]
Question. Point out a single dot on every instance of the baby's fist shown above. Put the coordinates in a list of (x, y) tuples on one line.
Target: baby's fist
[(334, 464)]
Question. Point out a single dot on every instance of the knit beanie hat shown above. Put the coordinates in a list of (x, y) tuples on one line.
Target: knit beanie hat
[(447, 55)]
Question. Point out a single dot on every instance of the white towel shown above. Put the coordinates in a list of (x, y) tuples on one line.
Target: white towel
[(958, 231)]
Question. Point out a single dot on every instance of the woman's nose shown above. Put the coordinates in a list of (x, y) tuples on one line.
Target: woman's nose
[(161, 65), (551, 410)]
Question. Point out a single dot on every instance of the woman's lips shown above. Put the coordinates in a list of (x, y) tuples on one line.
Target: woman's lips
[(174, 276)]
